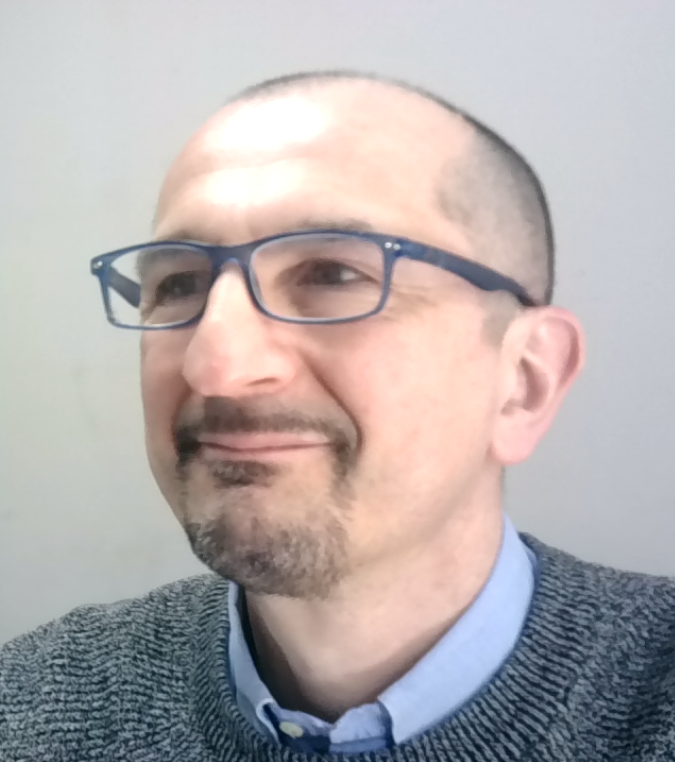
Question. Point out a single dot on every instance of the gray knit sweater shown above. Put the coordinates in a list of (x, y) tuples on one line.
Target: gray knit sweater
[(146, 680)]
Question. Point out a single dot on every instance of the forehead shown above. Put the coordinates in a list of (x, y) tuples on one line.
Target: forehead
[(379, 120), (370, 150)]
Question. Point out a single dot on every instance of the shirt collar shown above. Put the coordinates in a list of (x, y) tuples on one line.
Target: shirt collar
[(472, 651), (252, 694)]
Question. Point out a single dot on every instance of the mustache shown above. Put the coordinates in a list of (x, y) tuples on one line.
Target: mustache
[(222, 415)]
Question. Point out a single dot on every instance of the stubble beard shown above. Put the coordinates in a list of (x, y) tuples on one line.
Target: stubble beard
[(256, 523)]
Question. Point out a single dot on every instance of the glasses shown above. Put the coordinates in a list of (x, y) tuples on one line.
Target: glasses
[(323, 276)]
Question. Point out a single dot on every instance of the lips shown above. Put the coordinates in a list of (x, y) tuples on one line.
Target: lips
[(261, 441)]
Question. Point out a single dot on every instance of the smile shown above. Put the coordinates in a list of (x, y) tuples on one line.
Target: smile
[(258, 445)]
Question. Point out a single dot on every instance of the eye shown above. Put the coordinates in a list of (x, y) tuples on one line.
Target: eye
[(182, 285), (326, 272)]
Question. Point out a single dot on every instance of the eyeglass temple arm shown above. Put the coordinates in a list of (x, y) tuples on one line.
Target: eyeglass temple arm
[(125, 287), (483, 277)]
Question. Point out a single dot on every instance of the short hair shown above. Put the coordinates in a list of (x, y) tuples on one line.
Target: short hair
[(493, 190)]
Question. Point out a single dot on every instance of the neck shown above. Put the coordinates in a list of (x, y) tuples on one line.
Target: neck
[(324, 657)]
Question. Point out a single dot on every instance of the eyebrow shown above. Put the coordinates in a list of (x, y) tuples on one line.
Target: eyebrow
[(349, 224)]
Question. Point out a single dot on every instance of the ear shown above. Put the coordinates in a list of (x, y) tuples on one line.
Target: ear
[(543, 353)]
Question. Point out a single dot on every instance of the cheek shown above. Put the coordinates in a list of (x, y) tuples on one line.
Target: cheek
[(163, 386), (424, 400)]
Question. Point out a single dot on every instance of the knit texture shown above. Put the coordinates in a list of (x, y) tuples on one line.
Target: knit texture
[(145, 680)]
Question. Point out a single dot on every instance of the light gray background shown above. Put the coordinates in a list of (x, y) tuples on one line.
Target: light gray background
[(95, 99)]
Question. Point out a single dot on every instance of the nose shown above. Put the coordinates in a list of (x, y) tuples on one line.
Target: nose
[(235, 349)]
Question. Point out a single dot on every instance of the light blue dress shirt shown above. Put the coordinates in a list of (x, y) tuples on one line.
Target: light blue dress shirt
[(448, 676)]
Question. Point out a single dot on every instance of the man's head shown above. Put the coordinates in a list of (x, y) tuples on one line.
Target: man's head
[(406, 418)]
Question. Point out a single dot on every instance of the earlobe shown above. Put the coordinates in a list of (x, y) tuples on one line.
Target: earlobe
[(549, 355)]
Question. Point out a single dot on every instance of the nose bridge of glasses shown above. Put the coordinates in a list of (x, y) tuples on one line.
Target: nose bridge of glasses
[(228, 260)]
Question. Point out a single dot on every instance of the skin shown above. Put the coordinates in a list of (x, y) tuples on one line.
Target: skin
[(432, 406)]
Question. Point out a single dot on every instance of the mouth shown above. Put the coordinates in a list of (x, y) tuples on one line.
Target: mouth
[(254, 446)]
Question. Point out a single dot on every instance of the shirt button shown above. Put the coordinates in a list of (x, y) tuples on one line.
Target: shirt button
[(291, 729)]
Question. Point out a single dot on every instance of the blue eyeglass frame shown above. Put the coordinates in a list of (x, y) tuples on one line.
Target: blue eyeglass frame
[(392, 247)]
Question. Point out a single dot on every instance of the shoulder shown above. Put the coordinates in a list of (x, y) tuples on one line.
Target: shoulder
[(161, 613), (625, 690), (638, 608), (108, 657), (619, 592)]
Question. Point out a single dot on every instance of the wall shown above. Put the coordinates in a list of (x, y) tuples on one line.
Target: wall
[(96, 98)]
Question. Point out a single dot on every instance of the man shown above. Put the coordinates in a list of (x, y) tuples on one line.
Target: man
[(334, 448)]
